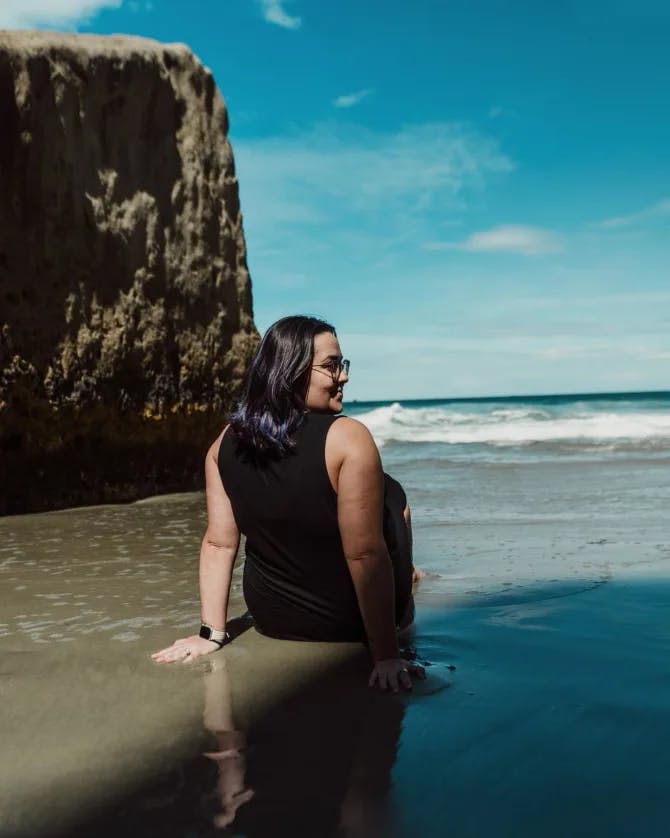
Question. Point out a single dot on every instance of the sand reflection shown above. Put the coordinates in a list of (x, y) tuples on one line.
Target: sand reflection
[(319, 761), (229, 754)]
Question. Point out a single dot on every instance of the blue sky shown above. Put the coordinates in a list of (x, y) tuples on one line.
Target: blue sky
[(477, 195)]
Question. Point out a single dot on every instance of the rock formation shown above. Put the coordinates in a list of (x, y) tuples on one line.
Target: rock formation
[(125, 300)]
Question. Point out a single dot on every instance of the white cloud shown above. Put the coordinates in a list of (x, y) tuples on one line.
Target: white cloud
[(350, 99), (27, 14), (564, 353), (626, 348), (660, 208), (346, 176), (549, 346), (274, 12), (650, 353), (506, 238)]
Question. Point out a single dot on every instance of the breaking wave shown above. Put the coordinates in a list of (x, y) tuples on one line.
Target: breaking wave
[(503, 426)]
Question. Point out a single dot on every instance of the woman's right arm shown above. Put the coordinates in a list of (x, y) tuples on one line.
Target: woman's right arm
[(219, 546), (360, 503), (217, 557)]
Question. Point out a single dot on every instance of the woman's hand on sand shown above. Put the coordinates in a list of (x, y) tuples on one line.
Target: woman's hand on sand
[(185, 650), (417, 576), (395, 674)]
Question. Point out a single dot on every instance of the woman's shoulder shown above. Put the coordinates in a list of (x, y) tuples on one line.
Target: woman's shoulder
[(214, 448), (348, 424), (350, 434)]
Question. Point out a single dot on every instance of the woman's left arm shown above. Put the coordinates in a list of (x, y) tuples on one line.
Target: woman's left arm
[(217, 558)]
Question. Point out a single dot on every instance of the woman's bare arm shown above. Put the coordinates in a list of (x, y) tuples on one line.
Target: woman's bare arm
[(351, 455), (217, 557), (219, 546), (360, 499)]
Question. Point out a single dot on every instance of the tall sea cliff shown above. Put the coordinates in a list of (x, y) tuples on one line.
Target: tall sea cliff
[(126, 320)]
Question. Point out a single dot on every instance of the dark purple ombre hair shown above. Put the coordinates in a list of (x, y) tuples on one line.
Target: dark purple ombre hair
[(273, 405)]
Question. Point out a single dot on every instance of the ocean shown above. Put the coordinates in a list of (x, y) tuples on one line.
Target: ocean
[(586, 467), (522, 428)]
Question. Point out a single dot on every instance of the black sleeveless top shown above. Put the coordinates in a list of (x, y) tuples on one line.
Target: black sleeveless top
[(296, 580)]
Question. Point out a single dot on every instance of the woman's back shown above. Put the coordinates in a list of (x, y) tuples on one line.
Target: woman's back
[(325, 560), (296, 580)]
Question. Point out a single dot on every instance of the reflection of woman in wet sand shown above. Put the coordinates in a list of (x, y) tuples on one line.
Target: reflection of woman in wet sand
[(229, 755), (328, 550), (305, 778)]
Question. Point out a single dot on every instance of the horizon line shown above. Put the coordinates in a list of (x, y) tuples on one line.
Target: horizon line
[(514, 396)]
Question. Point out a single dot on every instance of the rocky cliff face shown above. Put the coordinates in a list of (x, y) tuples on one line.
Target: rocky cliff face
[(125, 300)]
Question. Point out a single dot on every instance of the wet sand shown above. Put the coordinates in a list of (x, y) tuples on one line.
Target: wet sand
[(555, 720)]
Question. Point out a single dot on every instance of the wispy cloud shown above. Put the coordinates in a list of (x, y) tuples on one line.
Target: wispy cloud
[(348, 100), (506, 238), (660, 208), (380, 178), (27, 14), (627, 348), (137, 6), (274, 12), (564, 353), (650, 353)]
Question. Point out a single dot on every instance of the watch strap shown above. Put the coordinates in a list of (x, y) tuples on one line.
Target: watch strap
[(217, 635)]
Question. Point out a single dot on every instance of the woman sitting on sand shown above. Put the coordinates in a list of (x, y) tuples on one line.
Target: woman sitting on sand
[(328, 534)]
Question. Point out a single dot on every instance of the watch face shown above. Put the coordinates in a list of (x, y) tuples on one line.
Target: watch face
[(206, 632)]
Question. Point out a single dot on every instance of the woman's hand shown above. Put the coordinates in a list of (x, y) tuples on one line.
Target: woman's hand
[(395, 674), (417, 576), (186, 650)]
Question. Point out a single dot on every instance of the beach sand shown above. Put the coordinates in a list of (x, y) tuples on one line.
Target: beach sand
[(555, 720)]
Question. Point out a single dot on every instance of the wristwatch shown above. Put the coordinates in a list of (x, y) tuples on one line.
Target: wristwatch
[(217, 635)]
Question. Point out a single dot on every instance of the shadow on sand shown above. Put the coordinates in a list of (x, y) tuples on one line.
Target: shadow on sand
[(558, 724), (318, 763)]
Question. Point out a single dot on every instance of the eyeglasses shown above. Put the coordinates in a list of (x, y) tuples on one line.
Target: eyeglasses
[(334, 367)]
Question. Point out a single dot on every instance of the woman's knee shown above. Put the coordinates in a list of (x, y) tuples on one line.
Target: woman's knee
[(394, 494)]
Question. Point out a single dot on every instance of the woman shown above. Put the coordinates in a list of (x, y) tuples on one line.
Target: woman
[(328, 550)]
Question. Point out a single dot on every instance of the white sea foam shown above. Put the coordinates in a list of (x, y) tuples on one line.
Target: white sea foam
[(513, 426)]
